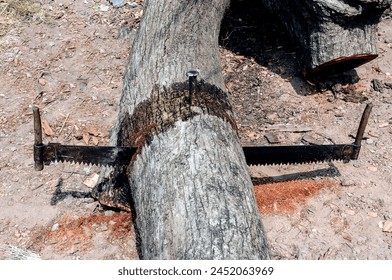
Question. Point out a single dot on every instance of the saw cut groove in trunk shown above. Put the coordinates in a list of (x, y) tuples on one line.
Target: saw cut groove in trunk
[(332, 35), (189, 186), (160, 112)]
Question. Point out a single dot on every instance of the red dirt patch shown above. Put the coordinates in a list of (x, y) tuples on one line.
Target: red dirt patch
[(76, 233), (284, 197)]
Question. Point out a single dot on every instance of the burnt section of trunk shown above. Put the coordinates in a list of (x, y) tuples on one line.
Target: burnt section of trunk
[(171, 104), (332, 35)]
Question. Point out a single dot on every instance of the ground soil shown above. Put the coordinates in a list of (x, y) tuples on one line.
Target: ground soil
[(68, 57)]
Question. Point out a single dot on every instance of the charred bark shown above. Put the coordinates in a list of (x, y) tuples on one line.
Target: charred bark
[(332, 35), (189, 187)]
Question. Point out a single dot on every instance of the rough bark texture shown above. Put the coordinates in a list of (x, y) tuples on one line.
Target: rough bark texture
[(333, 35), (190, 191)]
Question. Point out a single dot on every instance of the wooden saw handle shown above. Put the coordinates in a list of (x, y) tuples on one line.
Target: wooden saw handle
[(38, 146)]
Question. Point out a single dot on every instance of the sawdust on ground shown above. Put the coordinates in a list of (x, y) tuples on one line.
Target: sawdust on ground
[(286, 197)]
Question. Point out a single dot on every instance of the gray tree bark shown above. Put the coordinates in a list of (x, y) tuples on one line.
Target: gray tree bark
[(333, 35), (190, 191)]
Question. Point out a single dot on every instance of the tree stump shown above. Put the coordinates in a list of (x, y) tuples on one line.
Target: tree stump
[(332, 35)]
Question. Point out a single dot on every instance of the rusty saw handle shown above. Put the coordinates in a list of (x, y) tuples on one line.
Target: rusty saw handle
[(38, 146), (361, 130), (363, 124)]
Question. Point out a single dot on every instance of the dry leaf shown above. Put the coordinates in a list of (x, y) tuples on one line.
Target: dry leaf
[(86, 138), (139, 14), (385, 124), (274, 138), (95, 140), (78, 135), (372, 214), (251, 134), (42, 81), (387, 226), (93, 131), (92, 180), (349, 212), (47, 129)]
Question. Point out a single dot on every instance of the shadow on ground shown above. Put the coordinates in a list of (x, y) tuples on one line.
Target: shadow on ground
[(250, 30), (59, 194)]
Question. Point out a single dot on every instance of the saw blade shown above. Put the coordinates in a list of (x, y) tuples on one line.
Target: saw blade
[(260, 155), (270, 155), (97, 155)]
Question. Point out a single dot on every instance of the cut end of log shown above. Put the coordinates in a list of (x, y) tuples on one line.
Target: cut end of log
[(340, 65)]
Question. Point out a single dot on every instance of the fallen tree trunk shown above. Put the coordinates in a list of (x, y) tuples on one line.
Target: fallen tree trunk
[(332, 35), (190, 191)]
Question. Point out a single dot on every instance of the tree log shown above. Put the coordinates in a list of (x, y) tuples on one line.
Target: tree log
[(188, 185), (332, 35)]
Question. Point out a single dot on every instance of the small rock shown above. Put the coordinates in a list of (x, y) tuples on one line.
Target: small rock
[(372, 214), (372, 168), (387, 226), (118, 3), (377, 85), (91, 180), (55, 227), (109, 213), (13, 149), (384, 124), (369, 141)]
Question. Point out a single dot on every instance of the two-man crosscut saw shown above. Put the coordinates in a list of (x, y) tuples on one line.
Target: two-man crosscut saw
[(255, 155)]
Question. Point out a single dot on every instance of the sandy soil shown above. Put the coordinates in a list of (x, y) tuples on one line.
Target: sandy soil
[(68, 57)]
